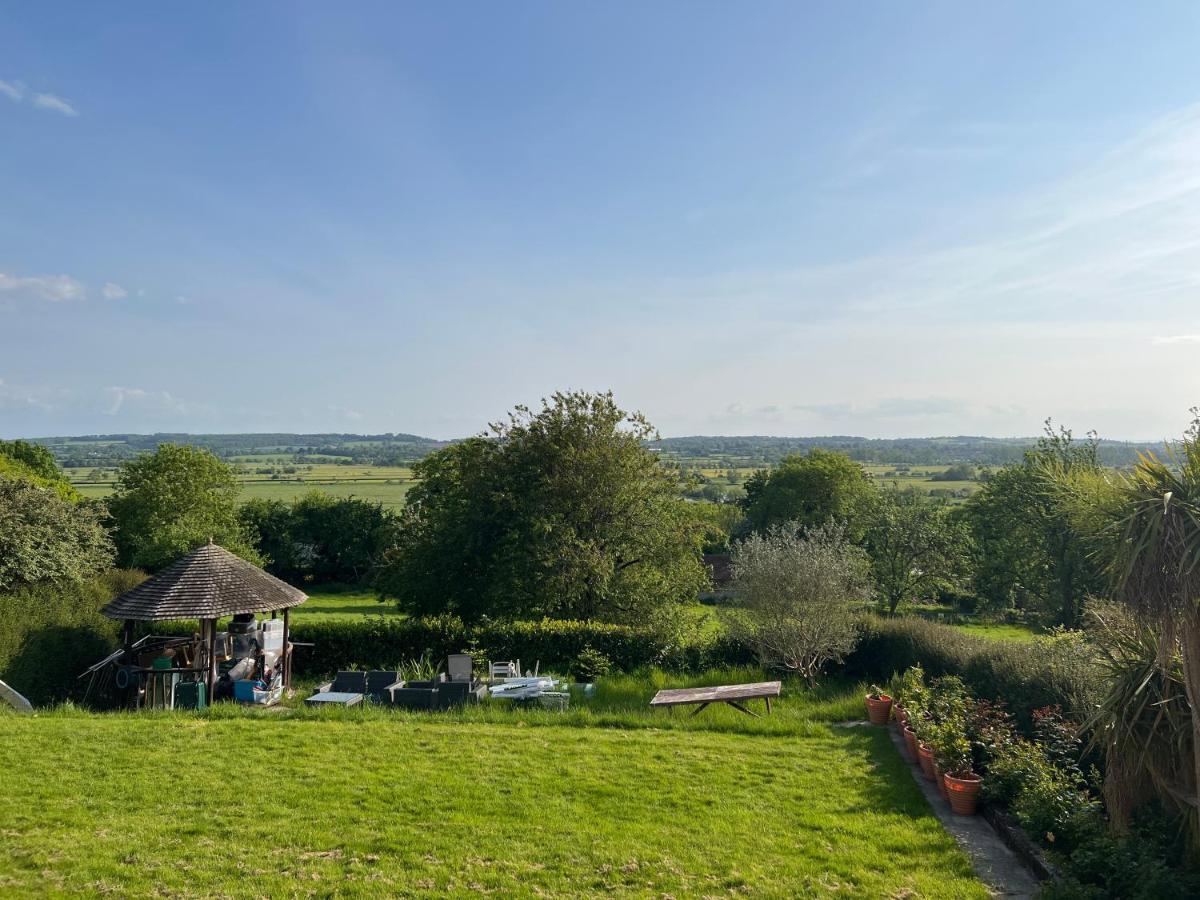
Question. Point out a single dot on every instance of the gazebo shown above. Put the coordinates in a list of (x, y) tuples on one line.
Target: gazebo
[(208, 584)]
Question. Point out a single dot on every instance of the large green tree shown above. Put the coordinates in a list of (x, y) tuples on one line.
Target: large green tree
[(320, 538), (44, 537), (916, 547), (557, 512), (1031, 553), (169, 502), (809, 489), (34, 463)]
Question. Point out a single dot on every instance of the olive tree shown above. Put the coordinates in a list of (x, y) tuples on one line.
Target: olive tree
[(798, 595)]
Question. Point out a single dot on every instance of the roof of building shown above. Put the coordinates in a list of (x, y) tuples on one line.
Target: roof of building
[(208, 583)]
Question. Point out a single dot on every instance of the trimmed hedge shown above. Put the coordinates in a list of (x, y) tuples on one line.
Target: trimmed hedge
[(1025, 676), (50, 633), (376, 642)]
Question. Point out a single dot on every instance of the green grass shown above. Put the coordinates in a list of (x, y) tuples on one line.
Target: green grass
[(373, 803), (1001, 632), (335, 603)]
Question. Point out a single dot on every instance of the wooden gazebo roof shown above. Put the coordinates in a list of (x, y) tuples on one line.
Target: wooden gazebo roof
[(208, 583)]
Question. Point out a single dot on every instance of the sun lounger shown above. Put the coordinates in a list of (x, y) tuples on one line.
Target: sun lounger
[(346, 689)]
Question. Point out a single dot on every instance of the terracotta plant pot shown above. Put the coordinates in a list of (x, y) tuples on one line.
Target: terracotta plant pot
[(879, 710), (910, 742), (901, 714), (963, 793), (938, 780), (925, 757)]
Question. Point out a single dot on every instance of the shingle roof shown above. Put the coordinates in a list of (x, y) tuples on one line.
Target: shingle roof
[(206, 584)]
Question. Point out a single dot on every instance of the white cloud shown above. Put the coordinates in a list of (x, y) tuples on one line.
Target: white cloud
[(54, 103), (42, 287), (119, 398), (113, 291), (1178, 339), (182, 300), (352, 414), (17, 93)]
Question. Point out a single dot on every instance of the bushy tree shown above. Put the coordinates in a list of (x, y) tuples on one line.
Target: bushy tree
[(808, 489), (46, 538), (916, 547), (1031, 553), (169, 502), (24, 461), (560, 512), (320, 538), (798, 595)]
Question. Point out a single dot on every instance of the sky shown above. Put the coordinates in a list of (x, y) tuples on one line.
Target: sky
[(787, 218)]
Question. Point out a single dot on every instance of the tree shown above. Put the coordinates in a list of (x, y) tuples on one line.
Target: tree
[(797, 596), (1153, 555), (169, 502), (915, 546), (1031, 554), (560, 512), (35, 464), (46, 538), (320, 538), (808, 489)]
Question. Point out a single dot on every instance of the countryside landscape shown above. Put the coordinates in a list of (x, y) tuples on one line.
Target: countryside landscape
[(659, 450)]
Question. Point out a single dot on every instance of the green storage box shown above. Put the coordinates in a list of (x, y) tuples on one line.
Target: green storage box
[(189, 695)]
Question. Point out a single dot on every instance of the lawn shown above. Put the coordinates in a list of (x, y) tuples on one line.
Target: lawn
[(333, 602), (354, 803)]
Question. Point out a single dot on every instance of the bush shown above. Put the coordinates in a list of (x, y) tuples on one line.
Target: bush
[(380, 643), (49, 634), (1054, 671)]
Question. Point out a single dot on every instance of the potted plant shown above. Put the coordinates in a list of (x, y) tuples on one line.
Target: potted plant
[(925, 758), (910, 741), (879, 705), (960, 783)]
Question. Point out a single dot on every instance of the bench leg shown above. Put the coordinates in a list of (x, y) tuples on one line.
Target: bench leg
[(768, 699), (739, 706), (699, 709)]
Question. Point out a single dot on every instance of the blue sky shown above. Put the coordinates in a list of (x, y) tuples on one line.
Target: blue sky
[(771, 218)]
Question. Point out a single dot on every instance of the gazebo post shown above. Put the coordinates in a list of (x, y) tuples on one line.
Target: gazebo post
[(211, 640), (287, 655)]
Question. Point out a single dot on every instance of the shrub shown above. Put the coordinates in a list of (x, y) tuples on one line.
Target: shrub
[(590, 665), (46, 538), (50, 633)]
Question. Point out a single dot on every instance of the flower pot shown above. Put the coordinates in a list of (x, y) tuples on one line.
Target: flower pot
[(925, 757), (910, 742), (963, 793), (879, 710), (901, 715), (938, 780)]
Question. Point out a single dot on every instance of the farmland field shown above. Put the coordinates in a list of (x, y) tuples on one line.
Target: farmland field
[(371, 802)]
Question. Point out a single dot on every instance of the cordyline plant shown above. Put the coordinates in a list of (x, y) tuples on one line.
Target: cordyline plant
[(798, 596), (1154, 563)]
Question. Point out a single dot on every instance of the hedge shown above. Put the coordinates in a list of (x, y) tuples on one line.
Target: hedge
[(1025, 676), (50, 633), (376, 642)]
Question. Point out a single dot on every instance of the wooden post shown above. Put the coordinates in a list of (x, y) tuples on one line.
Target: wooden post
[(128, 637), (212, 659), (287, 654)]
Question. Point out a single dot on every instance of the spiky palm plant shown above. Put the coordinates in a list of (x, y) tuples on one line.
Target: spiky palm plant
[(1154, 558)]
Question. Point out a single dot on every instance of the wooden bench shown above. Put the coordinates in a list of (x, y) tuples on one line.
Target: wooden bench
[(733, 694)]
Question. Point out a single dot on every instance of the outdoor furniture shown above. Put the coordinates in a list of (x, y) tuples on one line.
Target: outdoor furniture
[(733, 694), (335, 698), (414, 695), (380, 684), (502, 671), (460, 667)]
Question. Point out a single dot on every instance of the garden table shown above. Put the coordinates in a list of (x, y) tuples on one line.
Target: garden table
[(338, 698), (733, 694)]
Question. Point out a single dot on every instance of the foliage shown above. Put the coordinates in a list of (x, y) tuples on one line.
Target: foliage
[(21, 460), (916, 547), (809, 491), (1031, 554), (1153, 553), (589, 665), (720, 521), (797, 596), (560, 512), (320, 539), (44, 537), (169, 502), (1024, 676), (49, 633)]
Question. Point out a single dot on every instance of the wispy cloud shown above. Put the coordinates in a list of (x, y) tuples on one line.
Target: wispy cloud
[(18, 93), (113, 291), (53, 288), (118, 398), (1178, 339)]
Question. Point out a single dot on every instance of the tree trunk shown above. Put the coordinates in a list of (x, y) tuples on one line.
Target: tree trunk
[(1189, 640)]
